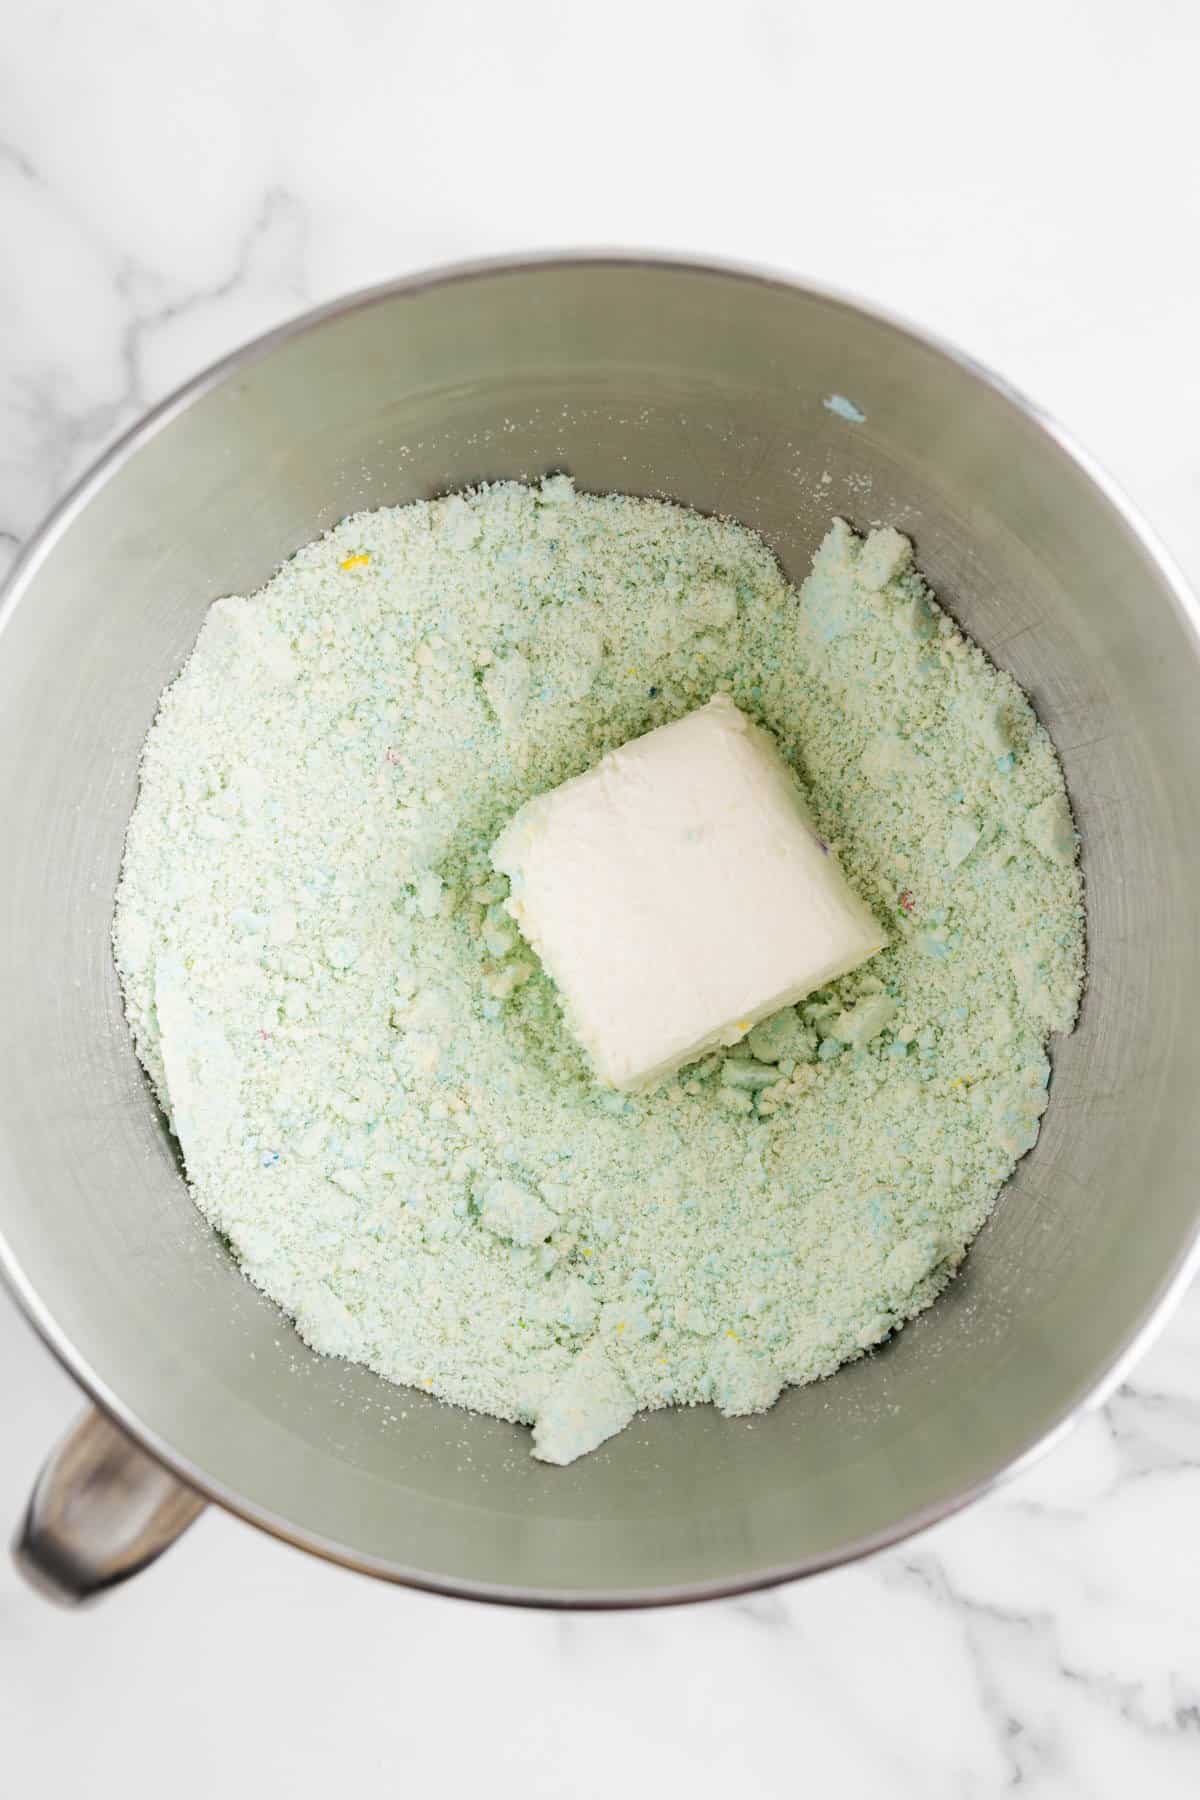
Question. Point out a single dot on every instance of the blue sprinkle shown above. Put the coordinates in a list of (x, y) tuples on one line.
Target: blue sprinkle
[(845, 409), (269, 1158), (1006, 762)]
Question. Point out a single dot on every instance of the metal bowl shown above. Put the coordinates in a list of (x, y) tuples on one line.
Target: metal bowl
[(709, 385)]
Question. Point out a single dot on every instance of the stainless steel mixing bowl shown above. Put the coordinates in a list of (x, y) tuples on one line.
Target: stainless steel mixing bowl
[(709, 385)]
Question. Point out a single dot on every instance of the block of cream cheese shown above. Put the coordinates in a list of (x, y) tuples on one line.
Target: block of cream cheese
[(678, 893)]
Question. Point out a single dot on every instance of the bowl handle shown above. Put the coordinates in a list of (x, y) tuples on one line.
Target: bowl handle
[(101, 1510)]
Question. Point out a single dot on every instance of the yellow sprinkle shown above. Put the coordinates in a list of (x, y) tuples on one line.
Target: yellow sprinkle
[(587, 1252), (733, 1335), (959, 1081), (356, 562), (621, 1326), (742, 1025)]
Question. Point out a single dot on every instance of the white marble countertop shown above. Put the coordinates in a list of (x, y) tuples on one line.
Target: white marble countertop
[(1022, 178)]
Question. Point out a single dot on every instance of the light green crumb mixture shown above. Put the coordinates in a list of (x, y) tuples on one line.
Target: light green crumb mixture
[(375, 1095)]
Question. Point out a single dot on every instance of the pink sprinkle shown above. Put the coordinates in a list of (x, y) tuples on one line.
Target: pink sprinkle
[(906, 902), (393, 756)]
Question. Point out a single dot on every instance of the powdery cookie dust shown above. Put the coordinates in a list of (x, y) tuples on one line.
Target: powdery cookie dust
[(376, 1099)]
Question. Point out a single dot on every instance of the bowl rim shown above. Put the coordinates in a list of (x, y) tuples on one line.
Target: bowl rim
[(126, 445)]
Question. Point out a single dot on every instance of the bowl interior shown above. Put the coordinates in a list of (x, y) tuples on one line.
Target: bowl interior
[(708, 387)]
